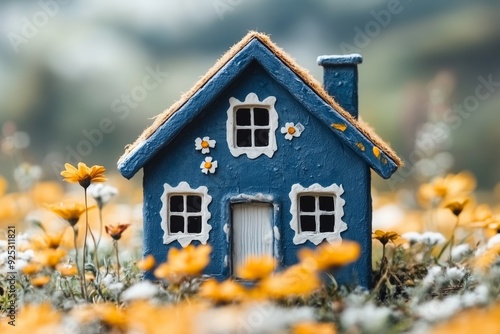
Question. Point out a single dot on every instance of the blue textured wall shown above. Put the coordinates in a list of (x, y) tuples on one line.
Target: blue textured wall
[(317, 156)]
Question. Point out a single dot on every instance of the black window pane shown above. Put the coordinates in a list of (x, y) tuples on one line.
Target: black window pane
[(176, 224), (307, 224), (260, 116), (243, 138), (176, 203), (194, 224), (307, 204), (326, 223), (243, 116), (261, 137), (193, 203), (326, 203)]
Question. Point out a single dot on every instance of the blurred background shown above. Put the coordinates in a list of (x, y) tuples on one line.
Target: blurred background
[(71, 73)]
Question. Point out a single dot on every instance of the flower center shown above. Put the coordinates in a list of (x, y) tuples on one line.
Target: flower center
[(291, 130), (207, 165), (204, 144)]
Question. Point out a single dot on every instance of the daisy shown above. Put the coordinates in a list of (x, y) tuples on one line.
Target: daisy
[(204, 144), (208, 165), (83, 175), (70, 213), (291, 130)]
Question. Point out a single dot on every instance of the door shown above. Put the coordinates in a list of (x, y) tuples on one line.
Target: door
[(252, 231)]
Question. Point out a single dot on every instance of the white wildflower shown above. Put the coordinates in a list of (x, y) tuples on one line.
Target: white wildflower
[(369, 317), (432, 238), (459, 252), (455, 274), (108, 280), (26, 175), (412, 237), (432, 276), (115, 287), (141, 290), (479, 296), (435, 310), (27, 255), (102, 193), (493, 241)]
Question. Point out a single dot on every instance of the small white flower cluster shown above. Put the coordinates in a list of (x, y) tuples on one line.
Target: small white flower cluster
[(111, 284), (27, 175), (436, 310), (440, 276), (369, 317), (141, 290), (427, 238), (102, 193), (459, 252)]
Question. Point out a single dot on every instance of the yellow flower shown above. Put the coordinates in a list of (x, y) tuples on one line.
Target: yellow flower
[(108, 314), (40, 281), (385, 237), (313, 328), (67, 269), (83, 175), (450, 186), (70, 213), (147, 263), (456, 207), (31, 269), (471, 321), (53, 240), (328, 256), (115, 231), (257, 267), (484, 261), (299, 280), (35, 319), (190, 261), (50, 257), (225, 292)]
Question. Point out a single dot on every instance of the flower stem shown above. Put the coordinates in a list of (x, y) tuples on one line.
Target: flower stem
[(115, 243), (100, 227), (82, 277), (85, 240), (452, 239)]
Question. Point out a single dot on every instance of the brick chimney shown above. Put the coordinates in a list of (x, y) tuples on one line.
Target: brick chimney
[(340, 79)]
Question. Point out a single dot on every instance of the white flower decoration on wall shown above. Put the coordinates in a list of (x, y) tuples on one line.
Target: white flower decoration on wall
[(208, 165), (291, 130), (204, 144)]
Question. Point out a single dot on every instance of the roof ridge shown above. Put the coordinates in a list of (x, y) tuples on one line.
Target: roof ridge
[(301, 72)]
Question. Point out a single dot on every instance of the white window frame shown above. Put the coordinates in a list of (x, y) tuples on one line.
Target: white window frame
[(317, 190), (185, 238), (251, 101)]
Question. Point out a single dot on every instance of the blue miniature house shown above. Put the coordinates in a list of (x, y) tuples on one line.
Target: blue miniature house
[(260, 158)]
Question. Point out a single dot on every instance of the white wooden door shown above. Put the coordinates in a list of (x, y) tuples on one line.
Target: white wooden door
[(252, 231)]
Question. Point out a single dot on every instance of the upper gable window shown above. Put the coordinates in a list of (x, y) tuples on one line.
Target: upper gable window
[(317, 213), (184, 214), (251, 126)]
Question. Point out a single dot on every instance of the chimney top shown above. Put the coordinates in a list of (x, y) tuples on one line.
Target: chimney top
[(352, 59)]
